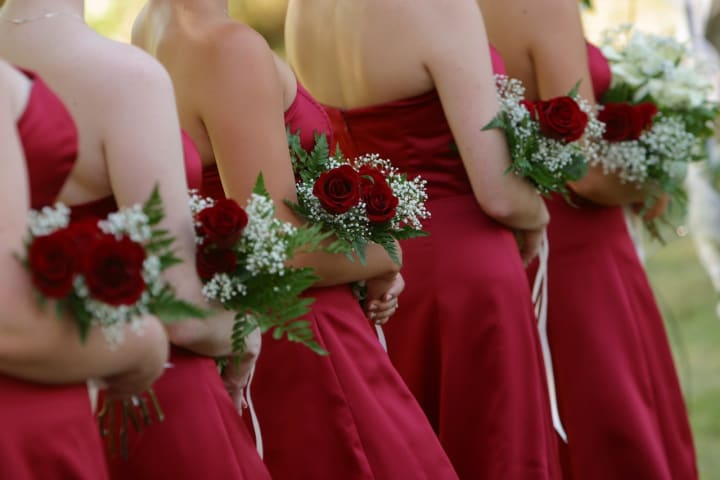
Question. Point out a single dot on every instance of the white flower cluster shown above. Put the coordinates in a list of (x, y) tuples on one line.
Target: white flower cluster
[(199, 203), (591, 142), (411, 194), (49, 219), (130, 221), (661, 151), (264, 238), (223, 288), (655, 66)]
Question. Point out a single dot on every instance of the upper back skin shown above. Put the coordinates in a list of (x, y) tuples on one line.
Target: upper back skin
[(182, 43), (354, 53)]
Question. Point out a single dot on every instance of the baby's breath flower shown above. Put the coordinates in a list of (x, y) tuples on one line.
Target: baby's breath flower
[(48, 219)]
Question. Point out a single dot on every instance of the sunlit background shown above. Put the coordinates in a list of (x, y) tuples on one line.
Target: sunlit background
[(681, 285)]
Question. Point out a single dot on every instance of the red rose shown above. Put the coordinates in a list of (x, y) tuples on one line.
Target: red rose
[(223, 223), (530, 107), (561, 119), (624, 121), (647, 111), (54, 261), (620, 121), (370, 176), (113, 270), (338, 189), (84, 232), (380, 203), (215, 260)]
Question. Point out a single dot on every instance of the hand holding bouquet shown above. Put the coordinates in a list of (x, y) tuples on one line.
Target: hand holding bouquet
[(550, 141), (242, 257), (360, 201)]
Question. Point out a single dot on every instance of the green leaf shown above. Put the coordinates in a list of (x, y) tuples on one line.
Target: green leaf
[(574, 91), (497, 122), (259, 187)]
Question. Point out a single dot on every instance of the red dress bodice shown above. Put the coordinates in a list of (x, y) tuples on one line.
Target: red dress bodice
[(599, 71), (50, 143), (422, 142)]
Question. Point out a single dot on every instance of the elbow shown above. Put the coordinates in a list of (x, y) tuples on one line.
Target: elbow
[(502, 210), (204, 337)]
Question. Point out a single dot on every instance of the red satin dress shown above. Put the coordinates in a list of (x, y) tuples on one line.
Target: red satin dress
[(48, 432), (464, 338), (618, 392), (347, 415), (203, 436)]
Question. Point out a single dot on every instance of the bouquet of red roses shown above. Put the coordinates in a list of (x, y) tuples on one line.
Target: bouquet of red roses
[(361, 200), (242, 257), (105, 272), (551, 141)]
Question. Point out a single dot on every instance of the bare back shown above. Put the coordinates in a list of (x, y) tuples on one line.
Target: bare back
[(354, 53)]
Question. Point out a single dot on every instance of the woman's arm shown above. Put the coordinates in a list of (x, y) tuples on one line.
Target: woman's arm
[(559, 57), (452, 37), (241, 100), (143, 149), (34, 344)]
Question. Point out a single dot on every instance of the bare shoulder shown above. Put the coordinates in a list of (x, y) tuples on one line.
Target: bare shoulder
[(235, 58), (231, 42), (115, 72)]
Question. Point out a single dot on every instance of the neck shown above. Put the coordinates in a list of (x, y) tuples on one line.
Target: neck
[(25, 9)]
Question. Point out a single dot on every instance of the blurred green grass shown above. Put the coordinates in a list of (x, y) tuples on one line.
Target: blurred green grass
[(688, 301)]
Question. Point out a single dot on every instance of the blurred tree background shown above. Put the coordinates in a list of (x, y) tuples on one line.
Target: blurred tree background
[(682, 287)]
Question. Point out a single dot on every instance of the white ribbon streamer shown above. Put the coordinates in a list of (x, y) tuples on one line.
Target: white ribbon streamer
[(253, 416), (93, 386), (381, 337), (540, 300)]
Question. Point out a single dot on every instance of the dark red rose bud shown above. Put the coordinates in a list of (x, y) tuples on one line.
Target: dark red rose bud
[(530, 107), (54, 262), (620, 122), (223, 223), (380, 203), (214, 260)]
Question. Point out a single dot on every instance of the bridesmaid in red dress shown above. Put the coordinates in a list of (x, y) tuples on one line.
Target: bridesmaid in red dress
[(618, 392), (346, 415), (412, 87), (130, 140), (49, 431)]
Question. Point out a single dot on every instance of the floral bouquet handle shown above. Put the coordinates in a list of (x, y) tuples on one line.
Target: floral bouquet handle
[(116, 417)]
